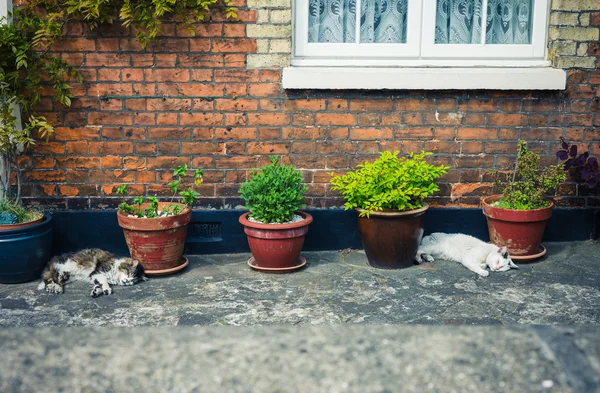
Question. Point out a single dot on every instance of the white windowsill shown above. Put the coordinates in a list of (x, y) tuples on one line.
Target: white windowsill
[(535, 78)]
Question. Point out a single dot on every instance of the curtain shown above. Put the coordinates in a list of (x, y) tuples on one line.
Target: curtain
[(381, 21), (507, 22)]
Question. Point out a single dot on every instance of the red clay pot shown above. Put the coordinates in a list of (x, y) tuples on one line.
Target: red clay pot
[(520, 231), (391, 237), (276, 246), (156, 242)]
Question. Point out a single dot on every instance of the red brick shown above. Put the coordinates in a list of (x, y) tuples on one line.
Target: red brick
[(422, 133), (234, 30), (74, 45), (263, 89), (304, 105), (196, 119), (268, 119), (236, 162), (167, 75), (167, 162), (327, 148), (145, 148), (108, 74), (169, 133), (77, 133), (109, 118), (478, 105), (111, 162), (191, 148), (303, 133), (335, 119), (371, 105), (268, 148), (236, 105), (370, 133), (235, 119), (77, 162), (476, 133), (76, 148), (169, 104), (245, 45), (111, 147), (235, 133)]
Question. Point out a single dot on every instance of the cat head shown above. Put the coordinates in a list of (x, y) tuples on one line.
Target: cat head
[(499, 260), (130, 271)]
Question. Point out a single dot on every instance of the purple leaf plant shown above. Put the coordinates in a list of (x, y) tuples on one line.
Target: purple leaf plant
[(582, 167)]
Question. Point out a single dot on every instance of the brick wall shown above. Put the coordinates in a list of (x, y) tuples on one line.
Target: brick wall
[(214, 100)]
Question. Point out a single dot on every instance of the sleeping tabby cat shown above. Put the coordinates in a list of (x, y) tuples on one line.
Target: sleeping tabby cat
[(100, 267)]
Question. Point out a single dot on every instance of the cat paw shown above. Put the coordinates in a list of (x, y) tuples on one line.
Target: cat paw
[(96, 291), (107, 291), (427, 258), (484, 273), (54, 288)]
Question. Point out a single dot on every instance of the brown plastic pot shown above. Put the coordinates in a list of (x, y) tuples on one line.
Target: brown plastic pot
[(391, 237), (156, 242), (520, 231), (276, 246)]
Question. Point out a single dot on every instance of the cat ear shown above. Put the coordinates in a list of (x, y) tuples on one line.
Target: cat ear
[(502, 250), (135, 262), (512, 264)]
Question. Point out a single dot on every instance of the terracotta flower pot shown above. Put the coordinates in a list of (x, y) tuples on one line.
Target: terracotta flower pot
[(276, 246), (520, 231), (391, 237), (157, 242)]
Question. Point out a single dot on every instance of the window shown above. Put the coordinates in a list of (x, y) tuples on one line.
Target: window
[(420, 32), (4, 9)]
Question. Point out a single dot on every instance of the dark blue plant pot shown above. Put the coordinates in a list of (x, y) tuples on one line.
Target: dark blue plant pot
[(25, 251)]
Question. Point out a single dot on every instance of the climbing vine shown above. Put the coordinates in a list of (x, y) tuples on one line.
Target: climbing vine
[(146, 16)]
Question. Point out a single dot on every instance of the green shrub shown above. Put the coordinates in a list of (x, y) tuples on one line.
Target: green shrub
[(528, 185), (188, 197), (274, 194), (389, 183)]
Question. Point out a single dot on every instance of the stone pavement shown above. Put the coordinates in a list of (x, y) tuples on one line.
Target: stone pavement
[(337, 287), (370, 335)]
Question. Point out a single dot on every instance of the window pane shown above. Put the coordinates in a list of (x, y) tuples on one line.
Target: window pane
[(332, 21), (509, 22), (458, 22), (383, 21)]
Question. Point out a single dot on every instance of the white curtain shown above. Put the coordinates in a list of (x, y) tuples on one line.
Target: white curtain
[(381, 21), (507, 22)]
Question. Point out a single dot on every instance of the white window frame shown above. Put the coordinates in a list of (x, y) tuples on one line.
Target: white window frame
[(410, 49), (420, 49), (5, 9)]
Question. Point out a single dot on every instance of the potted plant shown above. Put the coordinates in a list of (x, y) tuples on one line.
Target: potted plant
[(517, 218), (155, 231), (274, 226), (25, 234), (388, 195)]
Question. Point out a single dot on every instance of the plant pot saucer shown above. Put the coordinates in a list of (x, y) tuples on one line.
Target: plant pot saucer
[(164, 272), (278, 270), (541, 251)]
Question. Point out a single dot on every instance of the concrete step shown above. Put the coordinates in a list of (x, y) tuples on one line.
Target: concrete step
[(311, 359)]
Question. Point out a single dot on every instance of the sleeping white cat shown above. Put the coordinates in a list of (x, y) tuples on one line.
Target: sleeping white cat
[(473, 253)]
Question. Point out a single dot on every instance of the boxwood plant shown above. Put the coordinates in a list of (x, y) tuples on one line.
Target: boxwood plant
[(151, 210), (389, 183), (274, 194)]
